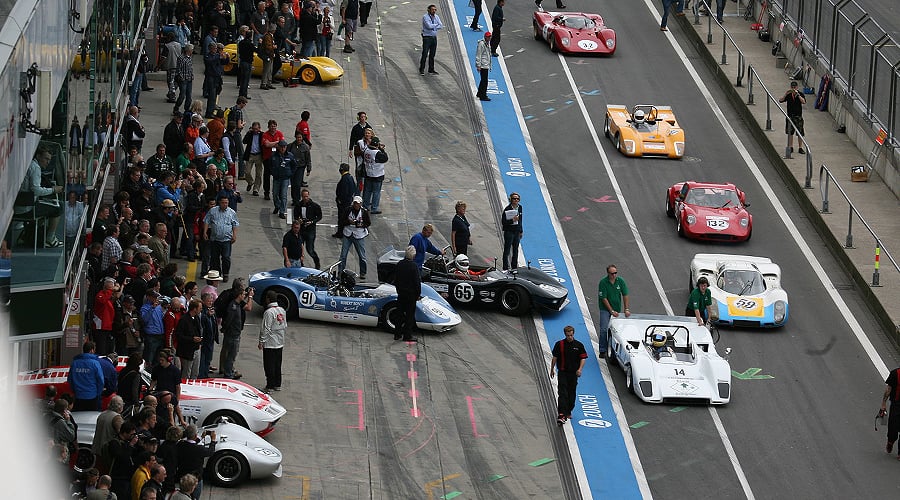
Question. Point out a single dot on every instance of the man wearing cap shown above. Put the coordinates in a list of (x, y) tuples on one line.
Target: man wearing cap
[(483, 64), (343, 195), (354, 227), (220, 228), (283, 167), (152, 322), (794, 122)]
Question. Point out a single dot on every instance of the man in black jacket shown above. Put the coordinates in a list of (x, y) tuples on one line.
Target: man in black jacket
[(173, 136), (343, 194), (309, 213), (245, 50), (408, 282), (192, 453)]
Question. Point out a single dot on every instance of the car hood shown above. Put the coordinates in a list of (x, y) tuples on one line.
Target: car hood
[(233, 390), (734, 214)]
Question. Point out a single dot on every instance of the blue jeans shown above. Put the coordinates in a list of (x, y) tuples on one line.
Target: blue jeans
[(206, 355), (309, 240), (511, 248), (604, 326), (296, 262), (220, 256), (720, 9), (323, 46), (152, 344), (230, 345), (667, 6), (360, 246), (134, 92), (185, 89), (280, 194), (308, 49), (372, 193)]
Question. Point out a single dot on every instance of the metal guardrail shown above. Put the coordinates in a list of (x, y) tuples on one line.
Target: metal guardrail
[(825, 179), (745, 68)]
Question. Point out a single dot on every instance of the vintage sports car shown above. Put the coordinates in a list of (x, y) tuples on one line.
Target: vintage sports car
[(336, 297), (308, 70), (669, 359), (202, 401), (647, 130), (513, 292), (239, 455), (746, 290), (708, 211), (574, 32)]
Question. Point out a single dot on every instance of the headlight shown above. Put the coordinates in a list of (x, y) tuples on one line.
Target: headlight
[(780, 311), (565, 41), (679, 148), (629, 146), (714, 313), (554, 290), (610, 43), (691, 219), (744, 222)]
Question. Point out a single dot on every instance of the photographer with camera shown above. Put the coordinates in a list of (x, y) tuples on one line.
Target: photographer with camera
[(309, 213), (795, 101)]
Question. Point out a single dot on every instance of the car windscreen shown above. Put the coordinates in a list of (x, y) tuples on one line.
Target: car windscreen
[(708, 197), (578, 23), (743, 282)]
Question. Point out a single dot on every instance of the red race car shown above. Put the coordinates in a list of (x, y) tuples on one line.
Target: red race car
[(574, 32), (709, 211)]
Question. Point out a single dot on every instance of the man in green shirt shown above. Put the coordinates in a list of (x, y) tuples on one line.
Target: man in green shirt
[(700, 303), (612, 294)]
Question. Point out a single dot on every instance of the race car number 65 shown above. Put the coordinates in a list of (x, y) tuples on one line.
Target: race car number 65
[(464, 292), (307, 298)]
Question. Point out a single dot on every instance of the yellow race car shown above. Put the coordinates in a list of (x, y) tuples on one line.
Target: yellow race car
[(307, 70), (647, 130)]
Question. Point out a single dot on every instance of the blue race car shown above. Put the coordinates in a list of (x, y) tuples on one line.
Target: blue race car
[(336, 297)]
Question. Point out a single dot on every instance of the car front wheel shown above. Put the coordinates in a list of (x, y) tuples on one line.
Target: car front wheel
[(515, 301), (629, 382), (391, 316), (286, 299), (606, 127), (228, 468), (309, 75)]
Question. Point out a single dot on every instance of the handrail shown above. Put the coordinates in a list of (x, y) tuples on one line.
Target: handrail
[(826, 175), (726, 36)]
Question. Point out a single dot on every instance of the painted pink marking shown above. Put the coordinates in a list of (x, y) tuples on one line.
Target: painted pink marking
[(566, 218), (477, 387), (361, 423), (413, 393), (415, 412), (412, 374), (604, 199), (583, 209), (410, 357), (475, 433)]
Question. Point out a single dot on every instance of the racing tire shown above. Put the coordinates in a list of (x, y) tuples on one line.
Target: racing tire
[(678, 227), (629, 381), (537, 31), (618, 141), (670, 210), (606, 127), (515, 301), (390, 317), (610, 353), (232, 416), (553, 46), (228, 468), (309, 74), (84, 458), (286, 299), (691, 282), (749, 234)]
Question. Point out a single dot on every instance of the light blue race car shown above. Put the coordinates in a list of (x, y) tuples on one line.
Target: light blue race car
[(746, 290), (327, 295)]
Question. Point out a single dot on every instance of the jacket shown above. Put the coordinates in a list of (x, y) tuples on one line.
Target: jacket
[(86, 376), (345, 190), (407, 279), (188, 327), (274, 324), (283, 167), (483, 59)]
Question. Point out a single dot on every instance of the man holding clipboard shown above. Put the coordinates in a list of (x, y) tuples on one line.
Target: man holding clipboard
[(512, 231)]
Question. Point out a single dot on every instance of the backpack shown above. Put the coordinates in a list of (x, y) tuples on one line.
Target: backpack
[(226, 115)]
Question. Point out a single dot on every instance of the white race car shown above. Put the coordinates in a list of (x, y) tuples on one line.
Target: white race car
[(239, 454), (746, 290), (669, 359), (202, 401)]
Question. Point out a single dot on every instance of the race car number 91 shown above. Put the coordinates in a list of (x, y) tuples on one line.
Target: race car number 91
[(464, 292)]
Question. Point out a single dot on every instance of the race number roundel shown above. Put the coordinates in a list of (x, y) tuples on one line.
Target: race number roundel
[(307, 298), (588, 44), (464, 292)]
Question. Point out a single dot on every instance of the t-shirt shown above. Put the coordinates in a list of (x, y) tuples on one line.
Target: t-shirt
[(699, 300), (569, 355), (167, 378), (893, 381), (612, 292)]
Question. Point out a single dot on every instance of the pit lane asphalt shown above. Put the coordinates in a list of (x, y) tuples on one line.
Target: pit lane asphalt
[(803, 433), (349, 432)]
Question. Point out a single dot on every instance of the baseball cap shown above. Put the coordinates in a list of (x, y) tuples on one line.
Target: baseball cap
[(487, 34), (793, 84), (167, 203), (144, 249), (282, 143), (357, 199), (375, 141)]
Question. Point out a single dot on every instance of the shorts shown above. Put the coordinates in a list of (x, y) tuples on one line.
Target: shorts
[(351, 25), (798, 122)]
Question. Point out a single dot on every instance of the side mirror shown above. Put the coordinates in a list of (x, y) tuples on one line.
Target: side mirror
[(747, 204)]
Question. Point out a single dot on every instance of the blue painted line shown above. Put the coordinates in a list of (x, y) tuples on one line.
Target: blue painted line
[(607, 465)]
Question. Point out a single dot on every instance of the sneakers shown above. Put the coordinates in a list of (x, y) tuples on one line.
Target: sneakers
[(800, 150), (275, 212), (276, 388), (54, 243), (560, 420)]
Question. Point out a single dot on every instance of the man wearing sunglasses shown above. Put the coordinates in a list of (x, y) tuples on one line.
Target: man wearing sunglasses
[(612, 294)]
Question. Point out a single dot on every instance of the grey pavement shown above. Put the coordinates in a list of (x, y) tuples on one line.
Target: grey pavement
[(873, 201)]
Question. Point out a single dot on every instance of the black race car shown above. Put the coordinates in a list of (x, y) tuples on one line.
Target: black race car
[(513, 292)]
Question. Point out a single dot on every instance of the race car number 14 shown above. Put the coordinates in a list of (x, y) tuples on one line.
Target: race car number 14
[(464, 292)]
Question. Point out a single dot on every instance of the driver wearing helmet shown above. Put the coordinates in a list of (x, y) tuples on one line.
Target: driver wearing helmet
[(639, 118), (461, 268), (658, 343)]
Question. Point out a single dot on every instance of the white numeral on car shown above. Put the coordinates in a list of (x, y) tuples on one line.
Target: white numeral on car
[(464, 292), (307, 298)]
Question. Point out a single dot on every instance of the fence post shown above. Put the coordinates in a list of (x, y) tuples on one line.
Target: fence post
[(768, 114), (875, 275), (849, 242), (724, 46), (809, 165), (823, 187), (750, 98)]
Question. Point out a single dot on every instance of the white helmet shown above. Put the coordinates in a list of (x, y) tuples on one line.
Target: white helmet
[(462, 262), (639, 116)]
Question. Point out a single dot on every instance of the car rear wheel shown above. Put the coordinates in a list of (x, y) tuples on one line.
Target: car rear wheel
[(391, 316), (606, 127), (228, 468), (670, 210), (309, 74), (515, 301), (232, 416), (629, 382), (691, 282), (537, 31), (286, 299)]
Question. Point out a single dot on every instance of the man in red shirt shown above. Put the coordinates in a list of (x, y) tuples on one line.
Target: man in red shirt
[(269, 140), (104, 312), (303, 128)]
